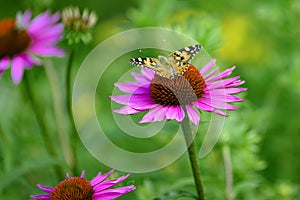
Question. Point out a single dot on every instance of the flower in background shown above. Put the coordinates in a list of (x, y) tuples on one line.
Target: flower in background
[(23, 39), (168, 99), (77, 27), (80, 188)]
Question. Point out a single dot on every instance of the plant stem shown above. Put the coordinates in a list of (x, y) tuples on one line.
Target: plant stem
[(228, 172), (50, 147), (192, 155), (74, 134)]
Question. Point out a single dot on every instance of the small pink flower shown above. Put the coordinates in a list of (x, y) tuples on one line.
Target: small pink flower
[(165, 98), (23, 41), (80, 188)]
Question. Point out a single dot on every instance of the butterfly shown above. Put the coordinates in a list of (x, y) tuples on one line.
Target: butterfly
[(168, 66)]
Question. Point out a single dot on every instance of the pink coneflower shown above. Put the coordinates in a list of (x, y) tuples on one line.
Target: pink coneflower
[(23, 40), (81, 189), (165, 98)]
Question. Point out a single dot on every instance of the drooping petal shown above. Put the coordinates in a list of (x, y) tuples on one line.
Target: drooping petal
[(127, 110), (193, 114), (45, 188), (113, 193), (154, 115), (41, 197), (17, 69), (203, 106), (4, 63)]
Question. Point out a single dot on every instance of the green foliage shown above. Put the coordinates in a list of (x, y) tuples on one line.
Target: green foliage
[(261, 38)]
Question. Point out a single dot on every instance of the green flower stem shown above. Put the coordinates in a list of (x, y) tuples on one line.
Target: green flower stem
[(192, 154), (74, 134), (61, 116), (50, 146), (228, 171)]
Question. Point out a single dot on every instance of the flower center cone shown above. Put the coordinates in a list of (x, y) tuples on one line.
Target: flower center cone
[(12, 40), (181, 90)]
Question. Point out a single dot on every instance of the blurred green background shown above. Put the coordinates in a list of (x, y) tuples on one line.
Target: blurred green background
[(260, 37)]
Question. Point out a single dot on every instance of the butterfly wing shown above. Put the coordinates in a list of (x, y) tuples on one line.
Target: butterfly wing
[(154, 64), (175, 63), (186, 54), (180, 59)]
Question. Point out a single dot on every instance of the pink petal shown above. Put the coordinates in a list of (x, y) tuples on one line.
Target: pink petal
[(45, 188), (99, 178), (112, 193), (222, 75), (193, 114), (223, 97), (212, 73), (133, 88), (127, 110), (154, 115), (140, 78), (109, 183), (135, 99), (219, 104), (148, 73), (227, 90), (41, 197), (203, 106), (46, 50), (222, 83), (207, 67), (219, 112), (4, 63), (17, 69), (179, 113)]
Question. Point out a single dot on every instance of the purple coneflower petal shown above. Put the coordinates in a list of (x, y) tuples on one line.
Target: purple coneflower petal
[(154, 115), (203, 106), (17, 69), (109, 183), (112, 193), (127, 110), (222, 75), (223, 97), (218, 104), (99, 178), (41, 197), (45, 188), (4, 63), (133, 87), (149, 74), (193, 114), (208, 67), (129, 100), (140, 78)]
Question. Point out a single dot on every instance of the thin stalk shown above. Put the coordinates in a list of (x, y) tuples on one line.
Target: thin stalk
[(192, 155), (228, 172), (61, 117), (74, 135), (39, 114)]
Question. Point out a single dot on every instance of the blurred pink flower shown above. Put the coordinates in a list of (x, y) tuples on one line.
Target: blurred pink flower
[(80, 188), (23, 40)]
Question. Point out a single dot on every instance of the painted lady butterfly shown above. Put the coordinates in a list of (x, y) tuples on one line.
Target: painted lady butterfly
[(174, 64)]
